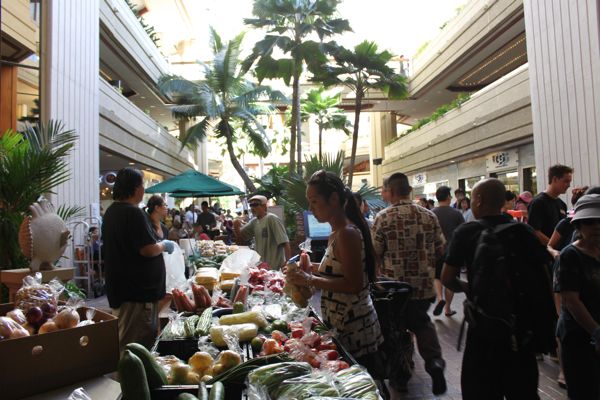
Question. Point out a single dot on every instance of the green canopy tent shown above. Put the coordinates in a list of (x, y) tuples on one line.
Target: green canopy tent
[(192, 183)]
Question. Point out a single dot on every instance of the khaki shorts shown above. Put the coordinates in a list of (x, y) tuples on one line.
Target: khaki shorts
[(138, 323)]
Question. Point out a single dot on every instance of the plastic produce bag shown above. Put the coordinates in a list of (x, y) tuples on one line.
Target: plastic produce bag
[(238, 263), (175, 268), (356, 382), (34, 293), (306, 387), (79, 394), (264, 382)]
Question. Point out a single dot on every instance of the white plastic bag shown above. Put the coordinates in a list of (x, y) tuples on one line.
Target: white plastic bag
[(239, 261), (175, 267)]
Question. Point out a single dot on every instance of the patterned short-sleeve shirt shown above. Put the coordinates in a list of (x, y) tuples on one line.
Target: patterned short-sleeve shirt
[(409, 238)]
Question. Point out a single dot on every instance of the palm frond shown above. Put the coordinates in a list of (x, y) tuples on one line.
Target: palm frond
[(67, 213), (195, 134)]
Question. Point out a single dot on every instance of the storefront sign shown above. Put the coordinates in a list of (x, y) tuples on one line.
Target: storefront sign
[(419, 179), (502, 160)]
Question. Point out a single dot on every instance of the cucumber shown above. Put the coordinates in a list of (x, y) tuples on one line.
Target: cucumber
[(134, 385), (217, 392), (204, 323), (189, 326), (202, 392), (155, 375), (186, 396)]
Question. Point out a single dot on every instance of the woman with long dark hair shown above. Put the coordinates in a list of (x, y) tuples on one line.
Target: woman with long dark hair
[(346, 269), (156, 209)]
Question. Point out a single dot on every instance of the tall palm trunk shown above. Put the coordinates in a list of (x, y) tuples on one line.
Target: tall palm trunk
[(320, 142), (236, 164), (357, 107), (294, 121)]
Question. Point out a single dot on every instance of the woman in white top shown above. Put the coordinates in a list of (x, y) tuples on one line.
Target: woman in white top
[(346, 269)]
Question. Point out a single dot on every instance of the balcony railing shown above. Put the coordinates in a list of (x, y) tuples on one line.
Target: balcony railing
[(498, 114), (127, 32), (126, 129)]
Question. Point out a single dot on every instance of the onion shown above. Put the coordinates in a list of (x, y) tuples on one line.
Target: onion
[(67, 318), (49, 326), (17, 316)]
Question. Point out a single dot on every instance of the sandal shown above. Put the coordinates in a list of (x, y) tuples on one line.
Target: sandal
[(439, 307), (449, 314)]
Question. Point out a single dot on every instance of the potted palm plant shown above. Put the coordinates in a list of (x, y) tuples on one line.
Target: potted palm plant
[(32, 163)]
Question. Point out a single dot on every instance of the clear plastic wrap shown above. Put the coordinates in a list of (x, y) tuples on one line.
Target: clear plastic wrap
[(263, 382), (174, 328), (307, 386), (9, 329), (34, 293), (355, 382), (79, 394), (89, 317)]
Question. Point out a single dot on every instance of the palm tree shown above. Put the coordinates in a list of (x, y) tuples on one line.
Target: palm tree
[(362, 70), (326, 111), (32, 163), (227, 102), (289, 24)]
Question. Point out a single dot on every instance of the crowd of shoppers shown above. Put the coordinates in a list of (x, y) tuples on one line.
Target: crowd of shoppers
[(413, 242)]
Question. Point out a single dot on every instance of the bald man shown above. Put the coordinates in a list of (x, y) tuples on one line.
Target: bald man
[(494, 365)]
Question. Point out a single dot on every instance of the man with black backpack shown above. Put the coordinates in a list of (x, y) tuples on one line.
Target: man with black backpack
[(509, 305)]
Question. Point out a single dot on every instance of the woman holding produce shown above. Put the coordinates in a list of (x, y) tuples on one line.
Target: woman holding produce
[(346, 269)]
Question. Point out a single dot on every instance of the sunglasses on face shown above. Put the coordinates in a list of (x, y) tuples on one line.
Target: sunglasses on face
[(254, 205)]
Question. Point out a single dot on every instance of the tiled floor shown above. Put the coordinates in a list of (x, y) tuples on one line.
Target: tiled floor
[(419, 386)]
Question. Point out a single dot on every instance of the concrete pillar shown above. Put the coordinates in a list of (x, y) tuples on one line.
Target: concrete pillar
[(69, 92), (563, 48)]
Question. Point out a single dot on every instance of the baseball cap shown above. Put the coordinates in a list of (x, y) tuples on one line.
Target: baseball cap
[(587, 207), (526, 197), (258, 198)]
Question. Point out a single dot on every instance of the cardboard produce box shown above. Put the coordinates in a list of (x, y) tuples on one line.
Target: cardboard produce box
[(38, 363)]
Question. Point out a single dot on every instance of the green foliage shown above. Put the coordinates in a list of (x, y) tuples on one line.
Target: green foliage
[(437, 114), (362, 69), (32, 163), (421, 49), (290, 26), (289, 189), (148, 28), (227, 103), (328, 115)]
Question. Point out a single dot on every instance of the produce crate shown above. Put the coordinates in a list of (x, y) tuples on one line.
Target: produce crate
[(39, 363), (180, 348), (170, 392)]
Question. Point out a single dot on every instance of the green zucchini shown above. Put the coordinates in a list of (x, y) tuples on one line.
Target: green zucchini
[(217, 392), (155, 375), (238, 374), (134, 385), (189, 326), (202, 392), (204, 323), (186, 396)]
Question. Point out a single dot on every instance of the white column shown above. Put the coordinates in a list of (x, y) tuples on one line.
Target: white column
[(70, 76), (563, 49)]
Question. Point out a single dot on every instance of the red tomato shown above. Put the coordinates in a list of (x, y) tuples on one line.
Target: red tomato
[(335, 366), (327, 345), (279, 336), (330, 355), (297, 333)]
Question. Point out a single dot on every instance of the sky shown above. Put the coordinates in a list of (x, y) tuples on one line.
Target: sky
[(400, 26)]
